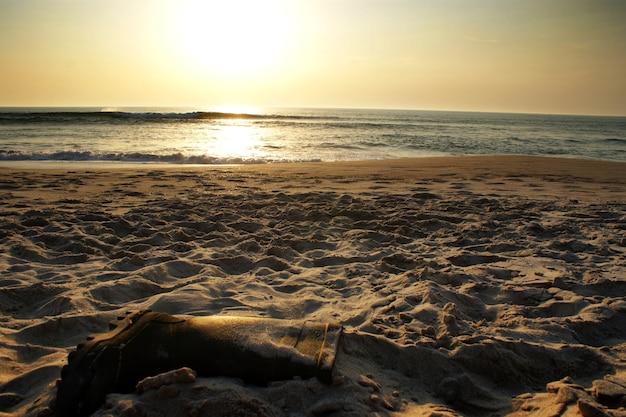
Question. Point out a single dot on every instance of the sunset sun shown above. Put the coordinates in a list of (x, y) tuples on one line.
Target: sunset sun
[(234, 38)]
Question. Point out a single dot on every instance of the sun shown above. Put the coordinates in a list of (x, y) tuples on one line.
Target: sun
[(234, 38)]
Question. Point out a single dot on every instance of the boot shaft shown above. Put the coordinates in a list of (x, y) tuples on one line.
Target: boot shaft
[(257, 350)]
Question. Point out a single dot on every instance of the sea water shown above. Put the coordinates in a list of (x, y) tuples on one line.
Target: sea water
[(192, 136)]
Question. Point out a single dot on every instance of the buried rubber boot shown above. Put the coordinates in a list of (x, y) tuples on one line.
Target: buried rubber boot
[(146, 343)]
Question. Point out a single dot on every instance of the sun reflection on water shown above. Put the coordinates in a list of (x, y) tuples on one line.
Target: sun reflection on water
[(235, 139)]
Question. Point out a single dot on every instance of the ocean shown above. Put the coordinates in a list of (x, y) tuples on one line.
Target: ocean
[(191, 136)]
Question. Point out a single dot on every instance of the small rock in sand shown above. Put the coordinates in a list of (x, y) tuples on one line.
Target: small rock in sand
[(364, 381), (591, 409), (609, 393), (166, 378)]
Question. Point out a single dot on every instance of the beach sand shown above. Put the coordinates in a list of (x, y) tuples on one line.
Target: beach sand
[(483, 286)]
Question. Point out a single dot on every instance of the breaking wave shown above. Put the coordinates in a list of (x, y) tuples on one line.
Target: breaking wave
[(137, 157), (108, 116)]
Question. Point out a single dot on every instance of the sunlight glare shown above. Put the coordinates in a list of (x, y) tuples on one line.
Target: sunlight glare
[(236, 140), (235, 37)]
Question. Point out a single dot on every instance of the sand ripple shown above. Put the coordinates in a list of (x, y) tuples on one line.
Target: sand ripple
[(454, 302)]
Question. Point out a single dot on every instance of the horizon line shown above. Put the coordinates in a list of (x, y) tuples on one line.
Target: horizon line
[(211, 108)]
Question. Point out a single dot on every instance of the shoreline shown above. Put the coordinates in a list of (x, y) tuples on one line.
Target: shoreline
[(539, 177), (384, 160), (449, 275), (515, 164)]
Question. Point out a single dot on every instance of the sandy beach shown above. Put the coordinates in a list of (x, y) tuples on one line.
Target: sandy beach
[(467, 286)]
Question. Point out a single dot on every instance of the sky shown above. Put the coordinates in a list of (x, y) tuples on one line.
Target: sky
[(529, 56)]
